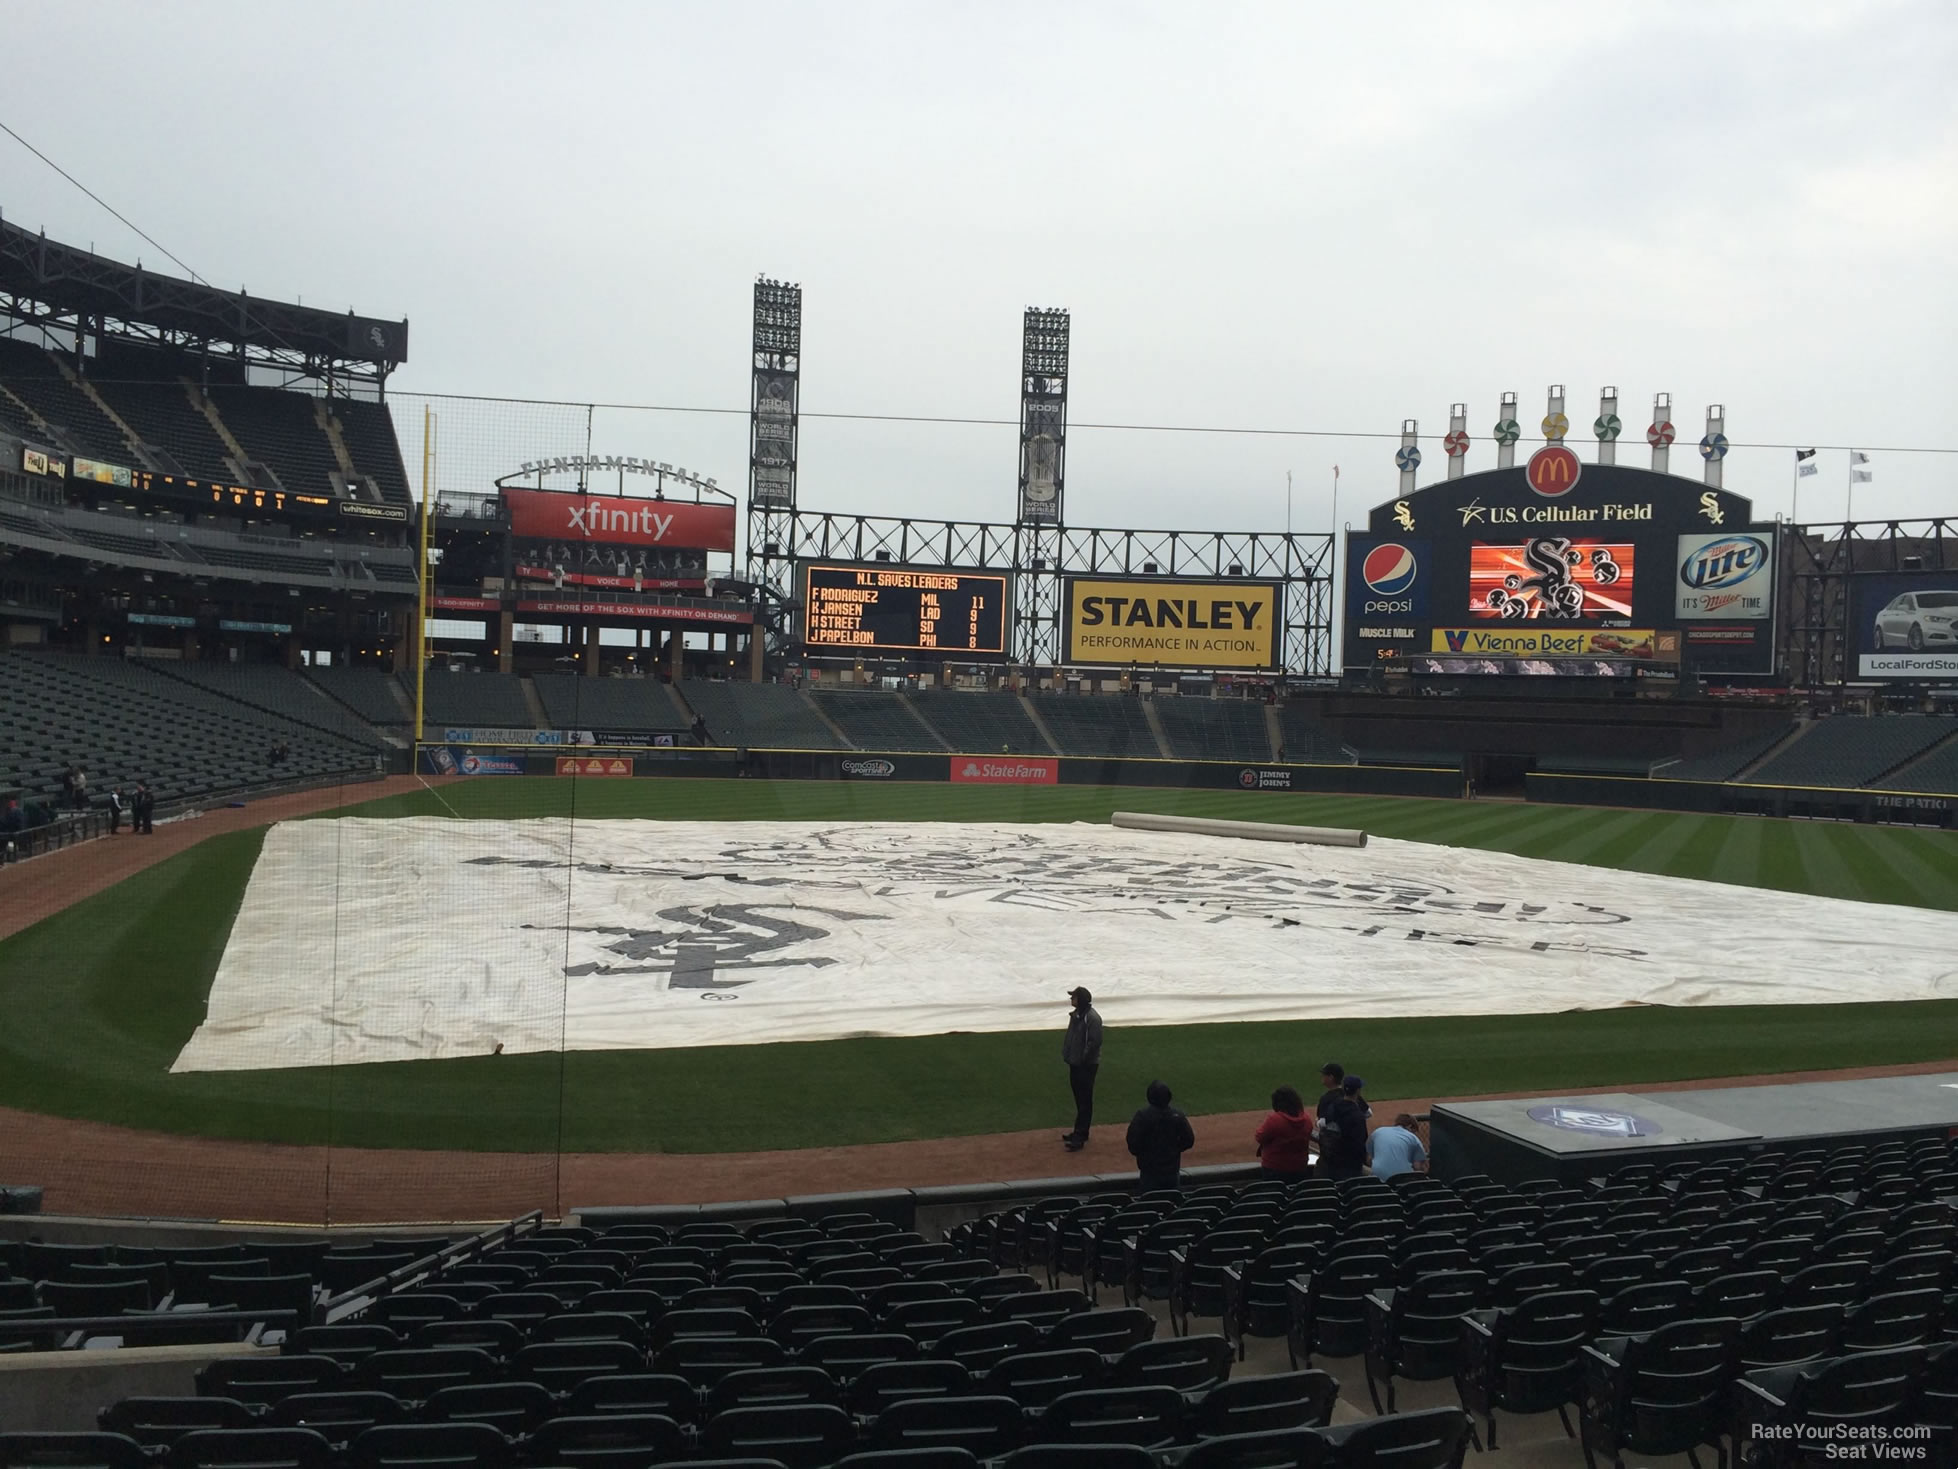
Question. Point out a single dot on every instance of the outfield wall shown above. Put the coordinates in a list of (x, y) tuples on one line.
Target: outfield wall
[(1437, 781), (1736, 798)]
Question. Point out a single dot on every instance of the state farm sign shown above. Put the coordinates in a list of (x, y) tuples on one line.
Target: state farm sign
[(546, 515), (1006, 771)]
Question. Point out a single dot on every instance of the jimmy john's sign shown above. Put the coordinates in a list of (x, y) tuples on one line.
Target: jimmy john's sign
[(1170, 623)]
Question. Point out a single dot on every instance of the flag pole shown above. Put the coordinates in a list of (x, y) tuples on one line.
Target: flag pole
[(1849, 493)]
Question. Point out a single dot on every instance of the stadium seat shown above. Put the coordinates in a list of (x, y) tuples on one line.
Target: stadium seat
[(336, 1416), (264, 1380), (512, 1408), (435, 1445), (1035, 1379), (1525, 1359), (252, 1448), (877, 1386), (983, 1426), (71, 1451), (1265, 1404), (158, 1422), (606, 1441), (762, 1387), (1841, 1394), (1665, 1393), (1150, 1417), (1434, 1438), (1188, 1364), (797, 1435)]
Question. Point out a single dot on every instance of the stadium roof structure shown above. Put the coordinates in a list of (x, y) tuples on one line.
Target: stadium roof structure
[(65, 289)]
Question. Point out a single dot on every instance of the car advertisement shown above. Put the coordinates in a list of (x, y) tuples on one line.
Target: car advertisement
[(1724, 578), (1907, 625)]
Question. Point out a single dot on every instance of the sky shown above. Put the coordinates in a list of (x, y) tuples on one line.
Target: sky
[(1317, 219)]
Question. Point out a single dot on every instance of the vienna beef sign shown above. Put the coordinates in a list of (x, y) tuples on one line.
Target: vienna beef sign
[(1171, 623), (548, 515)]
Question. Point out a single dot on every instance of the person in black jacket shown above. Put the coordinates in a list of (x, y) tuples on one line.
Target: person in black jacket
[(1343, 1132), (1081, 1050), (1159, 1135)]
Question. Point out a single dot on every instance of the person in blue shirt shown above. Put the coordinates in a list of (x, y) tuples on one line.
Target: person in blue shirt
[(1397, 1149)]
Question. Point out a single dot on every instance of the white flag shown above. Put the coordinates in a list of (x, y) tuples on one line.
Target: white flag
[(1805, 470), (1860, 476), (1857, 456)]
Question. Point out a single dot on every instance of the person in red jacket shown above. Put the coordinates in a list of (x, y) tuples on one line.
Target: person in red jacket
[(1285, 1137)]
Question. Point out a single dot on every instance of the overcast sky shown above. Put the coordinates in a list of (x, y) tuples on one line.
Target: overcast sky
[(1300, 217)]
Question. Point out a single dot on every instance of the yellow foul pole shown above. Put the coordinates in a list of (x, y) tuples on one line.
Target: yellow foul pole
[(421, 622)]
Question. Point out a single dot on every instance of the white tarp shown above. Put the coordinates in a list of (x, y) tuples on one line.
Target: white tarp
[(376, 940)]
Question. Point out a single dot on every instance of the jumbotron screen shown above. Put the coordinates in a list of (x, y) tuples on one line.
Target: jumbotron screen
[(882, 608), (1553, 578)]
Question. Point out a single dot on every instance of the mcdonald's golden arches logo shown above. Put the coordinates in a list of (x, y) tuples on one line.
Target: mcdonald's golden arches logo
[(1553, 470)]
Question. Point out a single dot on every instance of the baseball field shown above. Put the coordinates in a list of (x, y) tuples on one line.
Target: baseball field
[(102, 996)]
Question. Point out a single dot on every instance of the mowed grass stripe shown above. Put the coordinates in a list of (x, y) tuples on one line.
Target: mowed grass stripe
[(101, 998)]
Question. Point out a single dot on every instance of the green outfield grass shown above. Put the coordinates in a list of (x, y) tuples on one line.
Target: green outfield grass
[(99, 999)]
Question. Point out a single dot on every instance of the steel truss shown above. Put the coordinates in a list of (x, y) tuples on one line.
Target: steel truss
[(1040, 556), (1819, 646)]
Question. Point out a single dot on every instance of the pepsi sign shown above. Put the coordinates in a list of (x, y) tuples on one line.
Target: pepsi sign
[(1386, 578), (1725, 577)]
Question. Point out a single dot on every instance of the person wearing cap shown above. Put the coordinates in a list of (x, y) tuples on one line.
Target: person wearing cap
[(1159, 1136), (1081, 1050), (1343, 1132)]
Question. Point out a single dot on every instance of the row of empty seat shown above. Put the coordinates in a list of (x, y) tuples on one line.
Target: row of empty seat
[(157, 398)]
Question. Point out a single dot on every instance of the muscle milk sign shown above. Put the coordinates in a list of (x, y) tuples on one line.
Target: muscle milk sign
[(618, 520)]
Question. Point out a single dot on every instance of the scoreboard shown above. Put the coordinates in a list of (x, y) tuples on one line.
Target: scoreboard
[(885, 608)]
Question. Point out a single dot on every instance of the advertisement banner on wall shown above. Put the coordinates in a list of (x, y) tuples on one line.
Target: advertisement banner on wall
[(619, 520), (1387, 580), (1906, 625), (451, 760), (610, 766), (1645, 644), (1004, 770), (1174, 623), (1724, 578)]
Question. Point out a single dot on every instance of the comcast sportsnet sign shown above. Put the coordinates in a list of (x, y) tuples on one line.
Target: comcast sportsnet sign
[(1005, 771), (547, 515)]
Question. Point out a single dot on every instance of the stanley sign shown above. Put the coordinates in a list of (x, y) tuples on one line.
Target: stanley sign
[(1162, 623)]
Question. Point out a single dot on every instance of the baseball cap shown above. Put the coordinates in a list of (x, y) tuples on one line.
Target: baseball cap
[(1081, 991), (1353, 1084)]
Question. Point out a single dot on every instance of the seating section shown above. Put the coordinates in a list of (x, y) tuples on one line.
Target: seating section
[(1725, 763), (278, 691), (1702, 1305), (127, 721), (372, 693), (1093, 725), (488, 700), (759, 715), (1846, 751), (875, 720), (281, 430), (1214, 729), (367, 429), (162, 415), (31, 376), (1937, 773), (628, 705), (1306, 740), (981, 723)]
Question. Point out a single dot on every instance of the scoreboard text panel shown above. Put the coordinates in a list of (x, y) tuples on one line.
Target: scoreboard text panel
[(903, 609)]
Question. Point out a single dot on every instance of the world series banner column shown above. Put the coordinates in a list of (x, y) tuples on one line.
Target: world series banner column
[(1043, 415)]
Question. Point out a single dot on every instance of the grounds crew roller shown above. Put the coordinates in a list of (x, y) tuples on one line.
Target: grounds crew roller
[(1257, 831)]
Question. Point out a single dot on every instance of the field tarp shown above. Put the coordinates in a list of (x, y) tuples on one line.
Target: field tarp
[(389, 940)]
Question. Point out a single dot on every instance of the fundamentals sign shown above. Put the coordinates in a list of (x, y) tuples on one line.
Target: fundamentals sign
[(1174, 624)]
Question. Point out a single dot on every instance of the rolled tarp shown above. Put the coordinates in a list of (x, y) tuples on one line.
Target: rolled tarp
[(1256, 831)]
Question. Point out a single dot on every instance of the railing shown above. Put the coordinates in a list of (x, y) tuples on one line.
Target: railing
[(66, 830), (357, 1299)]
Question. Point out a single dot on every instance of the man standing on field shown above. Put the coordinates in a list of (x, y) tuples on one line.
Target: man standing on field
[(1081, 1050)]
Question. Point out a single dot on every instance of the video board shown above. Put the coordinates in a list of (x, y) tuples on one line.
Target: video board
[(913, 611), (1905, 625), (1551, 578), (1606, 571)]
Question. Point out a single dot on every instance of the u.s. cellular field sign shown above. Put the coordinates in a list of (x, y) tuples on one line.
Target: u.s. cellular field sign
[(1174, 623)]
